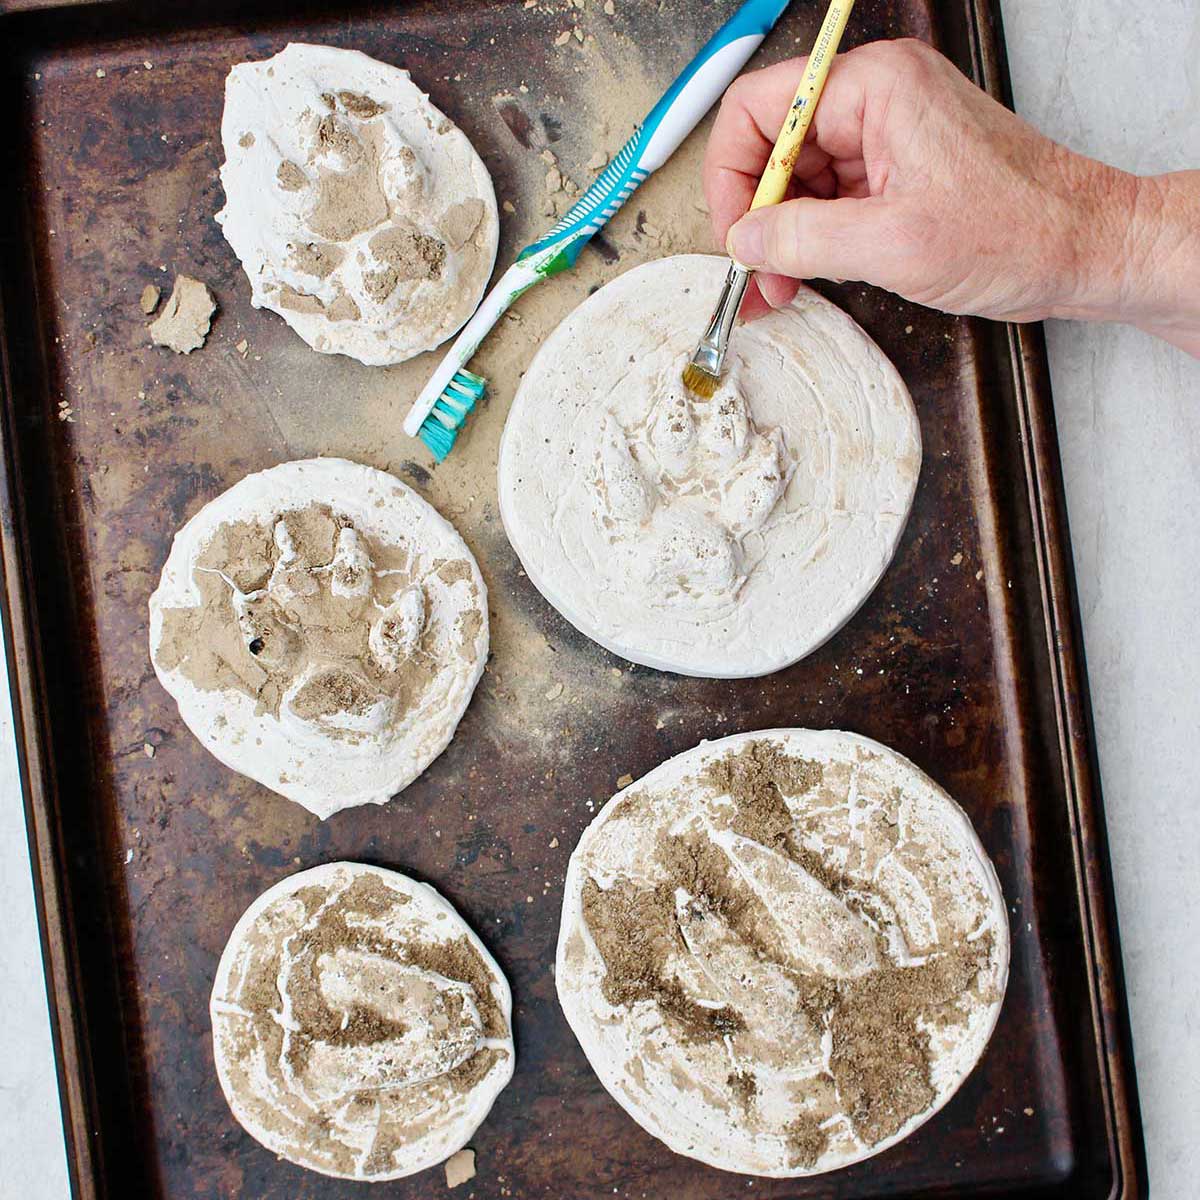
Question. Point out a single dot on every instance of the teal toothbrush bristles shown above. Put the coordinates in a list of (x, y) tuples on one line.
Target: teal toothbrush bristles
[(440, 429)]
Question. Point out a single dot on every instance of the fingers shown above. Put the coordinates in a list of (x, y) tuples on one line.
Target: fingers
[(767, 293), (755, 105), (738, 147), (861, 82), (808, 238), (913, 180), (777, 290), (837, 226), (734, 201), (737, 142), (729, 193), (753, 305)]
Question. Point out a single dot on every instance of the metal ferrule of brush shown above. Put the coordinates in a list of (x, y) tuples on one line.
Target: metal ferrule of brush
[(710, 353)]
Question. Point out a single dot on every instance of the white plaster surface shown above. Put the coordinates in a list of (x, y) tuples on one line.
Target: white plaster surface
[(1129, 423)]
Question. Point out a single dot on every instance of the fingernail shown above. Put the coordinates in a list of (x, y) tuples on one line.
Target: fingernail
[(745, 241)]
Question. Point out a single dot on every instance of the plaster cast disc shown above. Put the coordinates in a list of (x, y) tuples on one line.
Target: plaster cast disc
[(721, 538), (360, 1028), (362, 215), (322, 629), (782, 952)]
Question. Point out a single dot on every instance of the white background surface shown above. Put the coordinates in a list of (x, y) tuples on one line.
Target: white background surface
[(1129, 424)]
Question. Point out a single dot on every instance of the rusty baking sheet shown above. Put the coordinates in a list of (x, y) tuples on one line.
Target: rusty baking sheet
[(967, 657)]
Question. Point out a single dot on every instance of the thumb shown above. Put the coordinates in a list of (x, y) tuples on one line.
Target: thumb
[(810, 238)]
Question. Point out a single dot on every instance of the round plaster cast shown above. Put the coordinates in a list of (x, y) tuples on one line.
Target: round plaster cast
[(782, 952), (722, 538), (362, 215), (360, 1029), (322, 629)]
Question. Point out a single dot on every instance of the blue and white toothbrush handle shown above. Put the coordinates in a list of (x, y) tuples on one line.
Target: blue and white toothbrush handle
[(682, 107)]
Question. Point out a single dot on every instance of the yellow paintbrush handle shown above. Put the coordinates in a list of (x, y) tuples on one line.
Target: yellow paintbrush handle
[(772, 187)]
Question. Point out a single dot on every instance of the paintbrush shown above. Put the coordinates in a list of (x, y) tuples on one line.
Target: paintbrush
[(703, 373)]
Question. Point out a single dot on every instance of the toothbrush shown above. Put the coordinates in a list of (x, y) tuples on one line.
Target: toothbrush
[(450, 395), (703, 373)]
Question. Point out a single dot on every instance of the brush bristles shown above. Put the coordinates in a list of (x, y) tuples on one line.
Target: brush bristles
[(698, 380), (440, 429)]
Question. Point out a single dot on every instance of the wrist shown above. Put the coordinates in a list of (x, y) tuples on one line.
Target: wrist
[(1135, 243), (1164, 298), (1104, 213)]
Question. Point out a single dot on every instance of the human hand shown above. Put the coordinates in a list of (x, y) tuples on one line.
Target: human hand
[(914, 179)]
